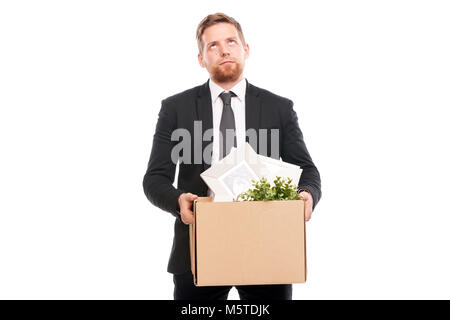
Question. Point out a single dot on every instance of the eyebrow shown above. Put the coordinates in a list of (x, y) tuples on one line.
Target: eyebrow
[(229, 38)]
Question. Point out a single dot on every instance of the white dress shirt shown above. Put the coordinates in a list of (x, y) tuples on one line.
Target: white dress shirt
[(238, 107)]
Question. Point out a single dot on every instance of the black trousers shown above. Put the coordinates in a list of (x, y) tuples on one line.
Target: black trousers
[(186, 290)]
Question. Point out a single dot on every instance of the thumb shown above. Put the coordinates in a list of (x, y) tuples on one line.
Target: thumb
[(191, 197), (303, 195)]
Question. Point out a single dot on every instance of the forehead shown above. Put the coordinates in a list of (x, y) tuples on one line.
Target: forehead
[(218, 32)]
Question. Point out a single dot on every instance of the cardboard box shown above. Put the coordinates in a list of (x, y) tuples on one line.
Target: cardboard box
[(248, 242)]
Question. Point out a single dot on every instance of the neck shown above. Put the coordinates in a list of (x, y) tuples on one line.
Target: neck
[(230, 84)]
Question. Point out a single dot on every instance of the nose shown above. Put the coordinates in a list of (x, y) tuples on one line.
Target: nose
[(225, 51)]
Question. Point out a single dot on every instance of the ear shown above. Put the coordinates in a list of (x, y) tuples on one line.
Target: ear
[(246, 50), (200, 60)]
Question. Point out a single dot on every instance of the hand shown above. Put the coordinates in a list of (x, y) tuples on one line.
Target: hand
[(305, 195), (185, 201)]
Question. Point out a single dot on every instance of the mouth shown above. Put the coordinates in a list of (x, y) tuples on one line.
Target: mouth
[(226, 62)]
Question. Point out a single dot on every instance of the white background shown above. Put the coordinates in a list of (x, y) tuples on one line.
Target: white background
[(81, 84)]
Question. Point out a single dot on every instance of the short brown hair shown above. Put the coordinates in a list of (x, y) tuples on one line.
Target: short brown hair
[(213, 19)]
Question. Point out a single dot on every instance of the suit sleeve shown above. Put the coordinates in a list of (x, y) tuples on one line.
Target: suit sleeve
[(159, 178), (293, 150)]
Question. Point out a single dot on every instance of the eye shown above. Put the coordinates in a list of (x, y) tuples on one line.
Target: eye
[(232, 41), (213, 45)]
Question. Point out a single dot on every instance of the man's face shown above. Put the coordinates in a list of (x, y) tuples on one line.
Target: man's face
[(223, 53)]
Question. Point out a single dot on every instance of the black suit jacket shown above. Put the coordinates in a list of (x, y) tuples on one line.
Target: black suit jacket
[(263, 110)]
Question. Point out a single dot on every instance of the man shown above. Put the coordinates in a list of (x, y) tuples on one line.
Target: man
[(225, 103)]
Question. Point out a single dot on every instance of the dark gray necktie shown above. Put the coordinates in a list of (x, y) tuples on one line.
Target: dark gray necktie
[(227, 123)]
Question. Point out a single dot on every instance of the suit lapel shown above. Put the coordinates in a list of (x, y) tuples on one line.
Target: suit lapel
[(204, 114), (252, 108)]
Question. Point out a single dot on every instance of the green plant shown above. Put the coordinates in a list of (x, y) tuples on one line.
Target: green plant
[(262, 191)]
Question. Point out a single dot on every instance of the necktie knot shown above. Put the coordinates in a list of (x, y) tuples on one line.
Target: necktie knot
[(226, 97)]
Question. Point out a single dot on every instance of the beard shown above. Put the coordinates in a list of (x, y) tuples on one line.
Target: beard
[(228, 72)]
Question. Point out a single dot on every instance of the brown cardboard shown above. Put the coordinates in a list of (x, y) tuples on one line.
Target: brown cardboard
[(248, 242)]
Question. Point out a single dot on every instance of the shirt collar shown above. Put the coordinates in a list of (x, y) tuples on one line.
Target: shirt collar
[(238, 89)]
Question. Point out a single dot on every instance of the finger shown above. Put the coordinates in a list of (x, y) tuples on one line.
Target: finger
[(187, 217), (187, 221), (307, 217), (187, 211), (309, 205), (308, 212)]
